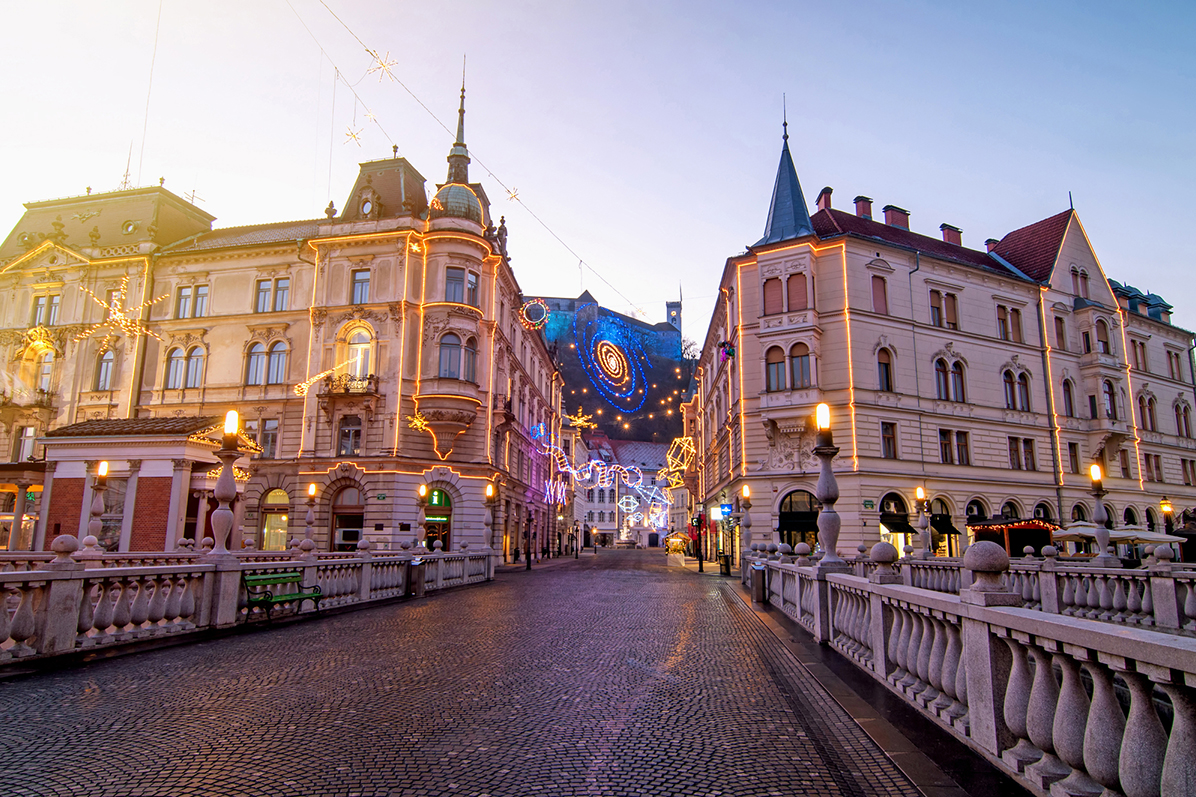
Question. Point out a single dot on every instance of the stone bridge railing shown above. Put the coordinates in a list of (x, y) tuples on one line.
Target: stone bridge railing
[(1064, 704), (67, 602)]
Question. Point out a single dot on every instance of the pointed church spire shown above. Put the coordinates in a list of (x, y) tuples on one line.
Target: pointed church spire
[(459, 155), (788, 217)]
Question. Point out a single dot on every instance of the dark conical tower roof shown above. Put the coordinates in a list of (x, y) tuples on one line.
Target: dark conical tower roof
[(788, 217)]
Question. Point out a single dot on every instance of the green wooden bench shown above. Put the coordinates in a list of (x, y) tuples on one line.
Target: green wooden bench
[(259, 593)]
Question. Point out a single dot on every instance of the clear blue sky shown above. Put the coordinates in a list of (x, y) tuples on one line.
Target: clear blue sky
[(644, 134)]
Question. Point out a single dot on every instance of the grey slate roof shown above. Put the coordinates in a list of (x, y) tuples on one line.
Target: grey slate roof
[(788, 216), (250, 235), (126, 427)]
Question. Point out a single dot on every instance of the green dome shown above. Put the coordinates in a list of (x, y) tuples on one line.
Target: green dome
[(456, 201)]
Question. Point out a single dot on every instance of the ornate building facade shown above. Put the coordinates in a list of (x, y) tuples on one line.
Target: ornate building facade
[(369, 352), (991, 377)]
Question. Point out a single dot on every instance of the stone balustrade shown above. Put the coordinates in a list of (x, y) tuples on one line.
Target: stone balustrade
[(1075, 696), (71, 601)]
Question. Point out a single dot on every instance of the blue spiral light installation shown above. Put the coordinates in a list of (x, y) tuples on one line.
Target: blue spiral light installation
[(612, 357)]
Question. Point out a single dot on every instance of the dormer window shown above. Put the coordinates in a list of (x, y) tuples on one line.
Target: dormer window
[(367, 206)]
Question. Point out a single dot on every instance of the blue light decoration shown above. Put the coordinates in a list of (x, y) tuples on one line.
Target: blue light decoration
[(613, 358)]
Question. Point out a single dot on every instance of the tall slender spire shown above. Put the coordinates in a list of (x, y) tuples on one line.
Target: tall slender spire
[(458, 157), (788, 216)]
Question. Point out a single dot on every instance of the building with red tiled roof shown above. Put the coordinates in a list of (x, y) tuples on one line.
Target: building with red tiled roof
[(991, 377)]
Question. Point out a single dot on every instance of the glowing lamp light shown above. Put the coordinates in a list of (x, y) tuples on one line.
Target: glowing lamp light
[(822, 419), (747, 492), (1094, 473), (230, 422), (423, 491), (489, 490), (311, 490), (1166, 506), (103, 469), (920, 493)]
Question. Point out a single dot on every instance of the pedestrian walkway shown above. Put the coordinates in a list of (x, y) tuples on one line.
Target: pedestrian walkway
[(608, 675)]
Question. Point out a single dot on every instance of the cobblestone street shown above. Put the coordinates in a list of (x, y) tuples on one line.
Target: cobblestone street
[(609, 675)]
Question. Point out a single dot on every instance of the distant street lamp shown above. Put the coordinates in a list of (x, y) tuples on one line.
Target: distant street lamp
[(923, 506), (310, 520), (488, 519), (95, 526), (1100, 517), (226, 485), (1168, 517)]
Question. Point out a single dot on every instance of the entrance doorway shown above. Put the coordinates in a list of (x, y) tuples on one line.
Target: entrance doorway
[(439, 517), (797, 520), (348, 518), (275, 520)]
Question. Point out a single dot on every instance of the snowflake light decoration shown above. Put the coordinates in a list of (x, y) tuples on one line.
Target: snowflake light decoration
[(581, 420), (382, 65), (418, 422), (353, 135), (116, 318), (513, 194)]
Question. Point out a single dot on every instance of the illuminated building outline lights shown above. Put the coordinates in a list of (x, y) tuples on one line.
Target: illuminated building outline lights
[(528, 319)]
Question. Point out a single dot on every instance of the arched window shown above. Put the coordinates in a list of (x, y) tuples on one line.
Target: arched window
[(941, 388), (1084, 283), (884, 370), (601, 517), (1075, 280), (1102, 337), (348, 519), (1010, 511), (1069, 399), (1183, 421), (1079, 513), (976, 510), (774, 371), (958, 384), (1042, 511), (1152, 420), (1130, 516), (176, 365), (1023, 393), (799, 365), (275, 509), (1110, 401), (602, 496), (107, 359), (276, 372), (469, 361), (450, 357), (1151, 521), (1142, 412), (1010, 390), (359, 354), (255, 365), (195, 366)]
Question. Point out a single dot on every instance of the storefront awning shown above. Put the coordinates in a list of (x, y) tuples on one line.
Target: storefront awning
[(898, 527), (942, 524)]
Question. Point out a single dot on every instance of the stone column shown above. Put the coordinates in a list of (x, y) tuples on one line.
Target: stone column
[(16, 538), (39, 534), (176, 514), (201, 518), (126, 524)]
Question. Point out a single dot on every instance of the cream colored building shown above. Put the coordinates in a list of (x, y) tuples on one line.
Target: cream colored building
[(991, 376), (369, 352)]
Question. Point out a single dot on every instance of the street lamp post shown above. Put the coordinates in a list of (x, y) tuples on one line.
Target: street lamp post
[(1100, 517), (528, 540), (99, 486), (488, 518), (1168, 518), (924, 522), (226, 485), (310, 520), (745, 523), (421, 519), (829, 521)]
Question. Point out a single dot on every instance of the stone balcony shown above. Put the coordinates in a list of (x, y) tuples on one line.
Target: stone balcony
[(448, 407)]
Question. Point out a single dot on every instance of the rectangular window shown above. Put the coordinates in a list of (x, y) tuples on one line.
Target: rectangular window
[(1087, 338), (1073, 457), (201, 301), (962, 454), (361, 287), (282, 294), (1092, 407), (774, 299), (1029, 460), (1147, 468), (1189, 468), (182, 304), (1158, 468), (946, 451), (269, 440), (880, 295), (936, 308), (262, 303), (888, 440), (52, 314), (39, 310), (951, 311), (798, 297), (1125, 464), (350, 436), (471, 290), (1060, 334), (1002, 322), (454, 285), (252, 430), (1015, 325), (23, 443), (1015, 453)]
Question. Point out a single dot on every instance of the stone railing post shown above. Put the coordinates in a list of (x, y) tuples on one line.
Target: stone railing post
[(58, 612), (987, 659), (367, 569), (884, 555), (226, 590), (907, 569), (1168, 613), (1048, 580)]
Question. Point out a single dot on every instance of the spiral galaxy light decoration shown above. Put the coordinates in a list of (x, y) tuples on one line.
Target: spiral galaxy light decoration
[(612, 357)]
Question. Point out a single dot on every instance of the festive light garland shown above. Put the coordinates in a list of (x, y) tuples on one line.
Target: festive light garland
[(115, 317), (525, 316)]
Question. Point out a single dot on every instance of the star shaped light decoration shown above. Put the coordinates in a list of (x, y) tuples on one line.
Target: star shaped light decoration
[(382, 65), (116, 318), (418, 422), (370, 116), (513, 194), (581, 420), (353, 135)]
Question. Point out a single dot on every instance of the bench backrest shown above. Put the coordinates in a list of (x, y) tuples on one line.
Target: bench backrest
[(289, 577)]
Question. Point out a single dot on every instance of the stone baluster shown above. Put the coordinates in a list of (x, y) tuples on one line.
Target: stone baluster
[(950, 669), (934, 671), (1068, 601), (1016, 706), (1189, 604), (87, 613), (187, 602), (23, 625), (105, 610), (912, 642), (174, 600), (1105, 728), (139, 613), (959, 711), (1144, 743), (1040, 720), (1179, 764), (157, 605), (1120, 603), (121, 613), (894, 644), (1068, 731)]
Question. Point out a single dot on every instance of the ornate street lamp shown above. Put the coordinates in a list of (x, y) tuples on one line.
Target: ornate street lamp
[(226, 485), (1168, 517), (95, 526), (421, 498), (923, 507), (488, 519), (827, 489), (1100, 517), (311, 513), (745, 522)]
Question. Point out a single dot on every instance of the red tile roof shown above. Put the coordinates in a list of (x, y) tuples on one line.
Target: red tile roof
[(124, 427), (829, 223), (250, 235), (1033, 249)]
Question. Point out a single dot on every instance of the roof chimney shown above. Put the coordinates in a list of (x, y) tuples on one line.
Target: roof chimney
[(824, 198), (991, 244), (896, 217), (863, 207), (952, 235)]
